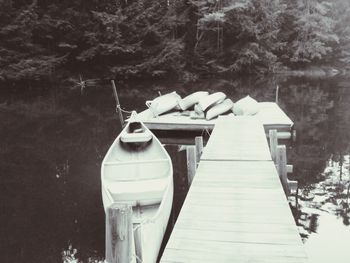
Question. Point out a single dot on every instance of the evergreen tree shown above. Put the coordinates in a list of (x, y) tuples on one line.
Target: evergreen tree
[(314, 30), (239, 36), (22, 56), (342, 29), (254, 41)]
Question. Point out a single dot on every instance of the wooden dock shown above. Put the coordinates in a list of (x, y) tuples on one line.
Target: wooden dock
[(236, 209)]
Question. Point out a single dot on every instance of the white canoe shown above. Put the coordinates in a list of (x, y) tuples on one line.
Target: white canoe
[(137, 170), (218, 109), (163, 103), (210, 100), (192, 99)]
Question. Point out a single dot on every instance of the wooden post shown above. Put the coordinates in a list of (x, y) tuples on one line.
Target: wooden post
[(281, 161), (294, 135), (277, 91), (118, 108), (296, 197), (273, 144), (199, 148), (119, 233), (293, 186), (191, 163)]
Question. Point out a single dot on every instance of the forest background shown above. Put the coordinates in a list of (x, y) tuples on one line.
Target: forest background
[(53, 40)]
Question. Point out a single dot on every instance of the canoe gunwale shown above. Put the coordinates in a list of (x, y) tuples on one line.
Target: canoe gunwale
[(135, 162)]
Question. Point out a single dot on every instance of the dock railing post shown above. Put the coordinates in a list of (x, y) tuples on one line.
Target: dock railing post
[(191, 162), (119, 233), (199, 148), (281, 161), (279, 157), (273, 144), (283, 169)]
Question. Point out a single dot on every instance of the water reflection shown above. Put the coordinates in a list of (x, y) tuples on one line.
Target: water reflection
[(71, 255), (322, 213), (53, 141), (330, 195)]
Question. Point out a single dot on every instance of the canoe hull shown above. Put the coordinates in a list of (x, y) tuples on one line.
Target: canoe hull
[(246, 106), (152, 232), (210, 100), (192, 99), (218, 109), (163, 103)]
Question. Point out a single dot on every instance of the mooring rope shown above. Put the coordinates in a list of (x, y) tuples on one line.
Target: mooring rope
[(137, 258), (205, 130), (146, 220), (123, 110)]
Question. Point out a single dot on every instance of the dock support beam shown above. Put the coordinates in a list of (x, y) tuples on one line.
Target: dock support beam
[(193, 155), (199, 148), (283, 135), (279, 156), (191, 163), (273, 144), (283, 169), (281, 161), (119, 233)]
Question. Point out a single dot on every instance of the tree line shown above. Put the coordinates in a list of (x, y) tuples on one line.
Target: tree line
[(50, 40)]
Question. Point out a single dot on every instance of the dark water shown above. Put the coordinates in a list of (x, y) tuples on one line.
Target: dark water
[(53, 141)]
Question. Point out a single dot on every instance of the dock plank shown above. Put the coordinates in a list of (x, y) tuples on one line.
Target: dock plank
[(236, 237), (188, 255), (243, 249), (238, 174), (257, 227), (236, 209)]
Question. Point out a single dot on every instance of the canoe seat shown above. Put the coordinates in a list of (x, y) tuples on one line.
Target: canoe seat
[(136, 137), (145, 192)]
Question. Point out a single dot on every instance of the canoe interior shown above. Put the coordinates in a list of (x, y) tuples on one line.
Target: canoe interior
[(136, 173), (130, 162)]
